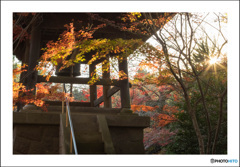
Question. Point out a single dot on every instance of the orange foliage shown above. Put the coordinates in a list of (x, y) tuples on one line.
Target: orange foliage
[(164, 119), (143, 108), (43, 92), (57, 53), (122, 75), (136, 22), (160, 119)]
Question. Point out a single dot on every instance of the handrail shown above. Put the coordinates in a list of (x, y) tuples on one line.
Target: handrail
[(70, 123)]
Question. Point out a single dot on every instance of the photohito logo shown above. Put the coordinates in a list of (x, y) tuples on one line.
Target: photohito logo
[(223, 160)]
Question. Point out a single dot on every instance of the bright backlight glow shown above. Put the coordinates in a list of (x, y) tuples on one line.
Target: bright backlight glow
[(213, 60)]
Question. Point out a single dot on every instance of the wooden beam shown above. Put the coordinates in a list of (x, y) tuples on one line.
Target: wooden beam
[(61, 79), (110, 93), (98, 101)]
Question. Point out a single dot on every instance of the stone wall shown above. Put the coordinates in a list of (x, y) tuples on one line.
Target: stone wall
[(35, 139), (127, 140), (38, 133), (35, 133), (127, 132)]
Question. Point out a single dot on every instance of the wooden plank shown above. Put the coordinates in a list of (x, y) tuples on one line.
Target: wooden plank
[(110, 92), (64, 132), (61, 79), (98, 101)]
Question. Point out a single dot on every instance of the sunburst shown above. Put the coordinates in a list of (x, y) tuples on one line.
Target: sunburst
[(214, 60), (214, 63)]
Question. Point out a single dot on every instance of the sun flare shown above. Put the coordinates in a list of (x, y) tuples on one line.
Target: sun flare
[(213, 60)]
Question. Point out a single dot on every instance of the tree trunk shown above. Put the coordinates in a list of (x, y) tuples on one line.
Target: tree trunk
[(219, 120), (197, 131)]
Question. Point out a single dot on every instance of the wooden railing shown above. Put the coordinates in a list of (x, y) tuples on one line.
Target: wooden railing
[(69, 122)]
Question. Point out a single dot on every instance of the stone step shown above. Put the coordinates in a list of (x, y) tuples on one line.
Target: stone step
[(84, 123), (83, 128), (90, 148), (74, 109), (88, 137), (59, 103), (81, 118), (77, 109)]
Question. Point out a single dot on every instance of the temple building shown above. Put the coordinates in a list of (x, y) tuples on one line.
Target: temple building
[(91, 129)]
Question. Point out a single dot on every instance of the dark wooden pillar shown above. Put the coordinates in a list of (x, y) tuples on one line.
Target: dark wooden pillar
[(23, 75), (106, 75), (31, 56), (34, 53), (25, 59), (93, 88), (124, 85)]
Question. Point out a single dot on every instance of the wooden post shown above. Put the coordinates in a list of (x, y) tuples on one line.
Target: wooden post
[(66, 116), (71, 142), (71, 85), (34, 53), (63, 100), (107, 100), (62, 107), (93, 88), (25, 61), (124, 85), (23, 75)]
